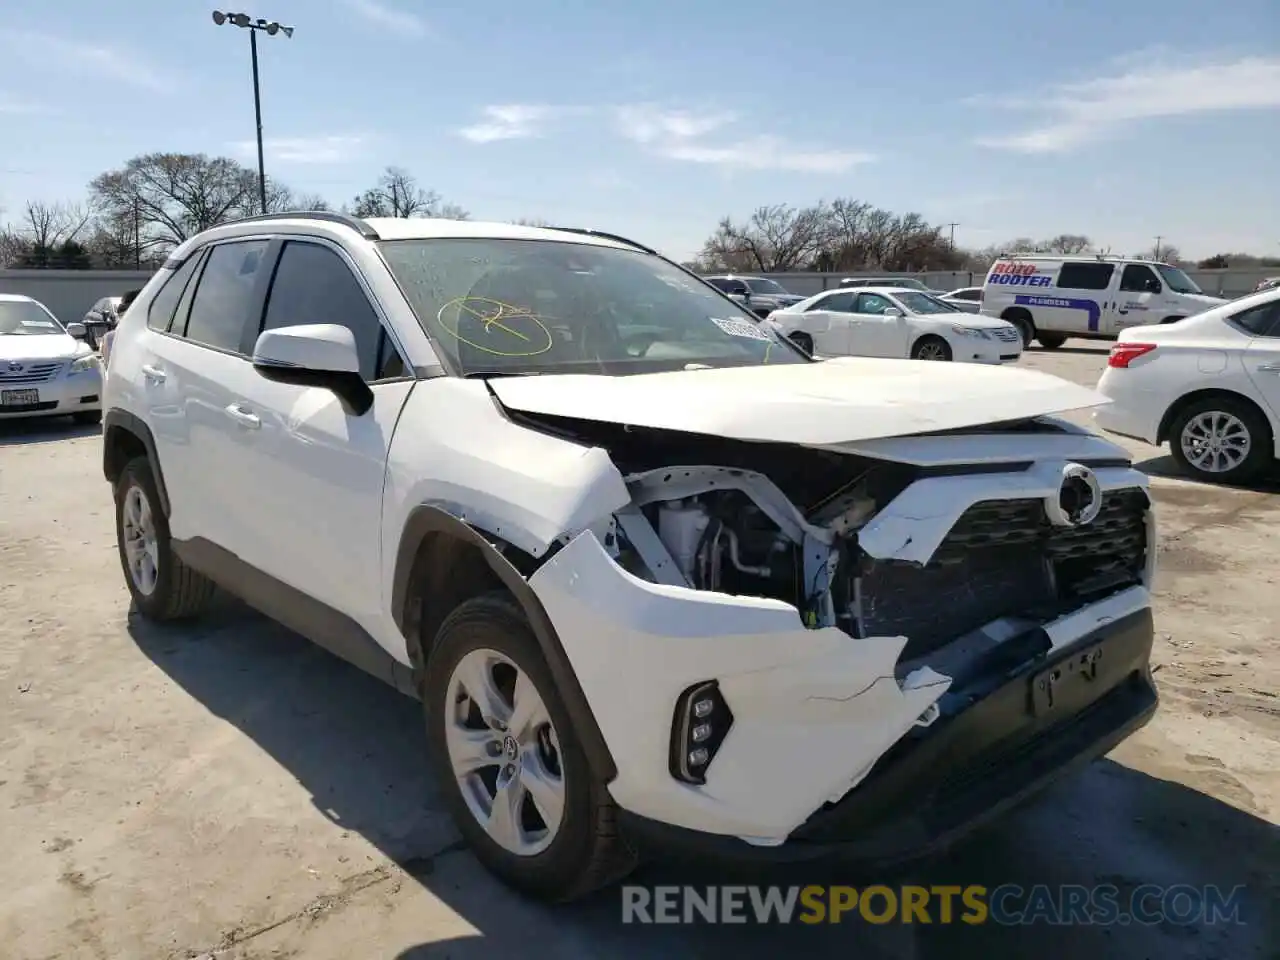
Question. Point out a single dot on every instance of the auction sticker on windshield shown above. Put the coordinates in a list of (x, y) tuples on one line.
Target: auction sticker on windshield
[(738, 327)]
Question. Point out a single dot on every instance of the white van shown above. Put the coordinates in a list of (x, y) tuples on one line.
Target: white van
[(1052, 298)]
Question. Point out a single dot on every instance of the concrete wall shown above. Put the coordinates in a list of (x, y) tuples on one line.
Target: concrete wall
[(1219, 283), (70, 293)]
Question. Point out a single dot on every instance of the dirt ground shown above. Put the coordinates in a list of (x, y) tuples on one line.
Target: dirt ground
[(233, 792)]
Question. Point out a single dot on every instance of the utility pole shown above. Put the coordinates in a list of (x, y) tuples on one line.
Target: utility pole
[(953, 234), (137, 234), (1158, 239)]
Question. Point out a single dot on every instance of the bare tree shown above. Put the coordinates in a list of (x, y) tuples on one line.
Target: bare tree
[(531, 222), (774, 238), (48, 225), (397, 194), (1068, 243), (173, 196)]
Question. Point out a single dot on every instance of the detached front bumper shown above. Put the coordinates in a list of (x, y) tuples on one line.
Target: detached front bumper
[(933, 789), (65, 394), (827, 742)]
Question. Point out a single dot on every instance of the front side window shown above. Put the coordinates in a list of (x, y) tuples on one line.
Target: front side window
[(503, 306), (1177, 280), (222, 307), (26, 318), (1138, 278), (313, 284), (873, 303), (973, 293)]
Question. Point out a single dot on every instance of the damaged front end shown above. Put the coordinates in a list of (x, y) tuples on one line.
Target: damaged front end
[(771, 635)]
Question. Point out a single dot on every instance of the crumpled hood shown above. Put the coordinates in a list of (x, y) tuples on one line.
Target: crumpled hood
[(812, 404)]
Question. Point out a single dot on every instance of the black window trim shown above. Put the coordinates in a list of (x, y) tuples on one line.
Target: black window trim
[(830, 295), (1107, 264), (1272, 331), (193, 258), (193, 287), (386, 333)]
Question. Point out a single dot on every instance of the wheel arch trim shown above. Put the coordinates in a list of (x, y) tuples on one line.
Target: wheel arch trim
[(121, 420)]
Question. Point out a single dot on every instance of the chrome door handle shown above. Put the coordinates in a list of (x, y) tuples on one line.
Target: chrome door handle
[(153, 373), (242, 416), (1269, 368)]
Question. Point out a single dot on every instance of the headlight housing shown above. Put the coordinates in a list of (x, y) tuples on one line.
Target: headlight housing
[(84, 364), (971, 332)]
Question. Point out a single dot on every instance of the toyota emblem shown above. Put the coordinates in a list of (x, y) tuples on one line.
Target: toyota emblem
[(15, 366)]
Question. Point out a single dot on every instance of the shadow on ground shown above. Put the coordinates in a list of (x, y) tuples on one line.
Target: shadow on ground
[(1165, 467), (43, 430), (1099, 350), (358, 747)]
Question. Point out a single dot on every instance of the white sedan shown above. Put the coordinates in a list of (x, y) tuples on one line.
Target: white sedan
[(1208, 385), (46, 370), (892, 322)]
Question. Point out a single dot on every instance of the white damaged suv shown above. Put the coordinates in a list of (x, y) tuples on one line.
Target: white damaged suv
[(660, 579)]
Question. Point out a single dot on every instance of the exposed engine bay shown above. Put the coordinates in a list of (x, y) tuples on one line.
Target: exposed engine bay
[(784, 522)]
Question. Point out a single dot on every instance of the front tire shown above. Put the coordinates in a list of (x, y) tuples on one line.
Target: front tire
[(514, 776), (931, 348), (162, 586), (1221, 440), (1050, 341)]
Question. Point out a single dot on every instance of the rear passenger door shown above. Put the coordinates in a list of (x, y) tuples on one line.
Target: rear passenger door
[(192, 362), (312, 493), (1262, 358), (1082, 302)]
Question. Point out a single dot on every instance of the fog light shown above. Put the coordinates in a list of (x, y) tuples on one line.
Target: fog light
[(702, 721)]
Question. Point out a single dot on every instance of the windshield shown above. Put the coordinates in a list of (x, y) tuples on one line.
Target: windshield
[(26, 318), (904, 282), (1176, 280), (925, 304), (498, 306), (766, 287)]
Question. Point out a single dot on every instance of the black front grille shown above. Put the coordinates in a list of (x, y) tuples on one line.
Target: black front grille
[(1004, 558)]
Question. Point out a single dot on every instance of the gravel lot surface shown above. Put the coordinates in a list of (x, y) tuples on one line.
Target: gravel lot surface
[(230, 791)]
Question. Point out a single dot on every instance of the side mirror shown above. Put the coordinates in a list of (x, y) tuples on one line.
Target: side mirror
[(1154, 286), (77, 330), (315, 355), (893, 313)]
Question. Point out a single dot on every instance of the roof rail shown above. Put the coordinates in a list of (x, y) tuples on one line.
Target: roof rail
[(361, 227), (606, 236)]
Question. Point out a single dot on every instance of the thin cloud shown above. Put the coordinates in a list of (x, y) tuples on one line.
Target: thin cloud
[(1087, 111), (390, 18), (682, 135), (72, 56), (306, 150), (11, 106), (509, 121)]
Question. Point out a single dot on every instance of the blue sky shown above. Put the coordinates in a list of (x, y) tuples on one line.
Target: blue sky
[(656, 118)]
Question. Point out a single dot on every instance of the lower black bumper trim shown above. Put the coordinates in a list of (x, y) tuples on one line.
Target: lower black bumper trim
[(970, 768)]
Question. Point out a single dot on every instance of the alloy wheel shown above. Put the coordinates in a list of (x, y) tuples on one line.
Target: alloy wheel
[(1215, 441), (504, 752), (141, 547)]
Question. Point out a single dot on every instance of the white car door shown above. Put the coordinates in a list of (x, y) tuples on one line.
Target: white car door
[(1262, 358), (827, 322), (320, 469), (188, 371), (1138, 299), (872, 334)]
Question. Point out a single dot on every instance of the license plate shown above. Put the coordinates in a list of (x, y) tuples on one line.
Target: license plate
[(19, 398), (1054, 684)]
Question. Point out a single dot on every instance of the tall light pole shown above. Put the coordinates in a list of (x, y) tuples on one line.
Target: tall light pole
[(271, 28)]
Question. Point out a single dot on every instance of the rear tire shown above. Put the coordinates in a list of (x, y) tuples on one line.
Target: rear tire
[(931, 348), (1050, 341), (1221, 439), (162, 586), (487, 642), (803, 341)]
